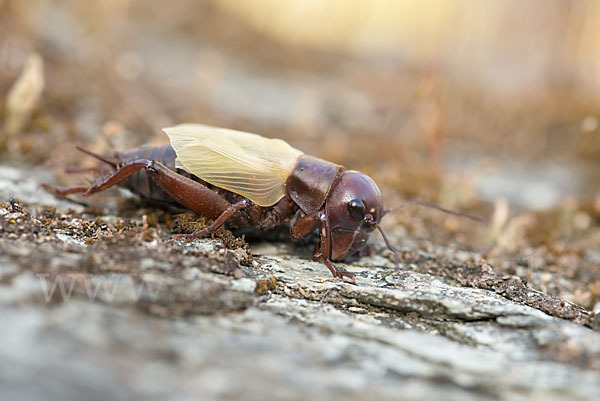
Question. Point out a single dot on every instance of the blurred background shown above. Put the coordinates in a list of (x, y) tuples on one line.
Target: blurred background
[(487, 107)]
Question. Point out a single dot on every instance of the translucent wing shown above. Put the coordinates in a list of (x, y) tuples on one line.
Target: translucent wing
[(247, 164)]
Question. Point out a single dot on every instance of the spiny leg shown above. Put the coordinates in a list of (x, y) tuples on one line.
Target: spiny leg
[(120, 174), (185, 191), (195, 197), (58, 191)]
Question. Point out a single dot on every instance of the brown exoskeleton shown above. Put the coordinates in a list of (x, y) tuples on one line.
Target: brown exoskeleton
[(246, 180)]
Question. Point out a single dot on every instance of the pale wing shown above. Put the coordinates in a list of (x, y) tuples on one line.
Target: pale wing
[(246, 164)]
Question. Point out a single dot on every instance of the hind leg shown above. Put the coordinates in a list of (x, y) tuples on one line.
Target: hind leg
[(121, 173), (187, 192)]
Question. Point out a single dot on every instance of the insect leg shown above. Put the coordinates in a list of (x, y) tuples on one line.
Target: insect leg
[(303, 224), (120, 174), (219, 221), (325, 254), (337, 273), (195, 197), (187, 192)]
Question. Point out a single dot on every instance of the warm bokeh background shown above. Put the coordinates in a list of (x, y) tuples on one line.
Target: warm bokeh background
[(490, 107)]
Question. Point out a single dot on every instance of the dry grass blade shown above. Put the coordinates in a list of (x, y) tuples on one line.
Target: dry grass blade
[(24, 96)]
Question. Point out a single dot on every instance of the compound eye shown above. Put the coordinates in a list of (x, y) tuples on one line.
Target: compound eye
[(357, 209)]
